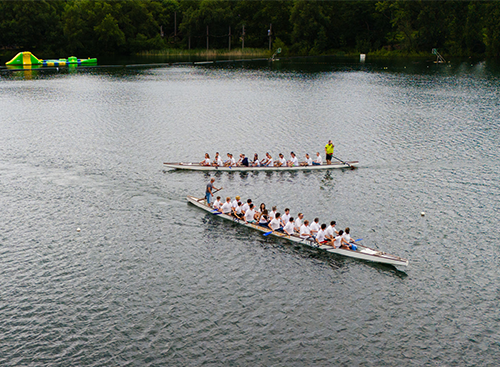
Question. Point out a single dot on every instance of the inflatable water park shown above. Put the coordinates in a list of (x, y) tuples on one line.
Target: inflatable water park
[(26, 58)]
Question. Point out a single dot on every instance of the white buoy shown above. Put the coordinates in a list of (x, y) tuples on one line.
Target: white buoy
[(422, 214), (78, 229)]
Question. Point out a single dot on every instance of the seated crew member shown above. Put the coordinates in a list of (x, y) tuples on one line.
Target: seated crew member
[(250, 214), (318, 161), (272, 213), (246, 206), (206, 161), (234, 204), (237, 212), (307, 162), (315, 227), (268, 161), (346, 237), (293, 162), (263, 218), (281, 162), (230, 162), (244, 161), (320, 237), (217, 203), (331, 232), (217, 161), (298, 222), (255, 162), (285, 218), (289, 227), (275, 223), (305, 231), (227, 208), (337, 241), (262, 207)]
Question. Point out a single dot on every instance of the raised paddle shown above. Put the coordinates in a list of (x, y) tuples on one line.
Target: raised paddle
[(268, 233), (340, 160)]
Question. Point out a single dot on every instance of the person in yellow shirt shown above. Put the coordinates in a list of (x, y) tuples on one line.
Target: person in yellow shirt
[(329, 152)]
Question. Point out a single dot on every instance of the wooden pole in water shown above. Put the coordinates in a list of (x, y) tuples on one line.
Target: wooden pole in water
[(207, 37), (243, 38), (229, 38)]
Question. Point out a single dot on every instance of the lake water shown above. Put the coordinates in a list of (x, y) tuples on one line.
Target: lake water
[(152, 281)]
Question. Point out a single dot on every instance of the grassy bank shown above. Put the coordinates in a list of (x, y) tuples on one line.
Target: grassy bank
[(237, 53)]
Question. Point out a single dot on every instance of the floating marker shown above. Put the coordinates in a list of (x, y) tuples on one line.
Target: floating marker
[(422, 214), (78, 229)]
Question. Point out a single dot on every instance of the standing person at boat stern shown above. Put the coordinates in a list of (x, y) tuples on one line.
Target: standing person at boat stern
[(329, 152), (209, 191)]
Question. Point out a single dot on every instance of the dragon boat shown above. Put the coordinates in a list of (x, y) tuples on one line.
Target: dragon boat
[(361, 252)]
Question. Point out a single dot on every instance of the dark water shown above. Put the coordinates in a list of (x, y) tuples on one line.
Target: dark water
[(152, 281)]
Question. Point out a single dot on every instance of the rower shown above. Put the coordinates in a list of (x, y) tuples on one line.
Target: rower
[(329, 151), (273, 212), (237, 211), (346, 238), (289, 227), (315, 227), (227, 208), (206, 161), (250, 214), (275, 223), (320, 237), (217, 203), (281, 162), (244, 160), (234, 204), (217, 161), (318, 161), (268, 161), (293, 162), (263, 218), (331, 232), (305, 231), (285, 218), (298, 222), (256, 162), (337, 241), (246, 206), (307, 162), (230, 162)]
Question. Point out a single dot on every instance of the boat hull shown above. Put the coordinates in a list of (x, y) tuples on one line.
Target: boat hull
[(198, 167), (362, 252)]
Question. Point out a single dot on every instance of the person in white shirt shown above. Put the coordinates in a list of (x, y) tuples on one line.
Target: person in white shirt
[(331, 231), (272, 214), (346, 238), (308, 161), (320, 237), (281, 161), (268, 161), (305, 231), (318, 161), (315, 227), (231, 161), (250, 214), (234, 204), (256, 162), (217, 203), (289, 228), (217, 161), (237, 212), (285, 217), (293, 162), (206, 161), (246, 206), (275, 223), (227, 208), (298, 222), (337, 241)]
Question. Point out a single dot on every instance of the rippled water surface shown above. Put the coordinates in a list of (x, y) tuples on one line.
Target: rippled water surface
[(152, 281)]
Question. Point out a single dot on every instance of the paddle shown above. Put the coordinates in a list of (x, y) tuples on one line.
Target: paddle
[(267, 233), (340, 160)]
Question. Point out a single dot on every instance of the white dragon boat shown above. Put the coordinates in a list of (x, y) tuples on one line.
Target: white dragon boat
[(362, 252), (199, 167)]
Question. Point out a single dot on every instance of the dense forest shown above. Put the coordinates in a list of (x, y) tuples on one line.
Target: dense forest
[(299, 27)]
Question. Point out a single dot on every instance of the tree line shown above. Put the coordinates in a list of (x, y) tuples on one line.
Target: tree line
[(299, 27)]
